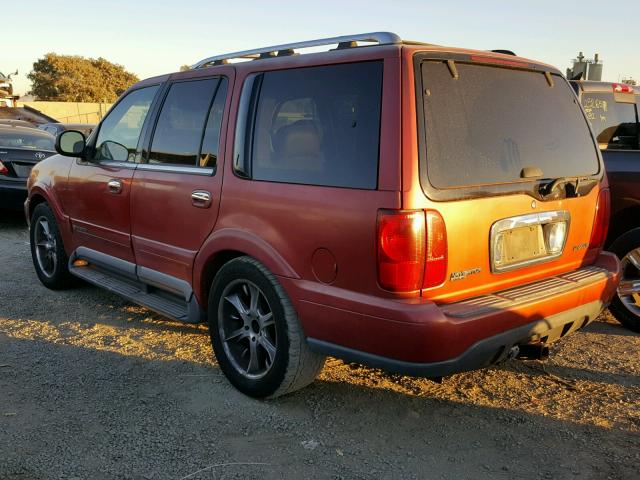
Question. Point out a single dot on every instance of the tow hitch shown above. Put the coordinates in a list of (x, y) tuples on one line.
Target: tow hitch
[(533, 351)]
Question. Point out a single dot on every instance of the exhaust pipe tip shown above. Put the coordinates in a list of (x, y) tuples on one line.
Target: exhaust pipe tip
[(533, 351)]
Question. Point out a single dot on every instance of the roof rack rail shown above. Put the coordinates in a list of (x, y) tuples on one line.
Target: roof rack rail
[(504, 51), (343, 42)]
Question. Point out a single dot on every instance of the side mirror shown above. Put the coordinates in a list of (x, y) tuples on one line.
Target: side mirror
[(71, 143)]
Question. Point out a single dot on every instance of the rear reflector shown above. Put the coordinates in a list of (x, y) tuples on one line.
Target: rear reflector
[(622, 88), (3, 170), (436, 264), (80, 263), (600, 227), (401, 249)]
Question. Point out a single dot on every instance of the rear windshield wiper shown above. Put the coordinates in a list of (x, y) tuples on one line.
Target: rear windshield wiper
[(570, 184)]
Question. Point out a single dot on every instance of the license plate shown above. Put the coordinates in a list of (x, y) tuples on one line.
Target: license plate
[(528, 239), (521, 244), (21, 170)]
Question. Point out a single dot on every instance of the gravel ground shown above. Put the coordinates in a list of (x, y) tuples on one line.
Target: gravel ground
[(93, 387)]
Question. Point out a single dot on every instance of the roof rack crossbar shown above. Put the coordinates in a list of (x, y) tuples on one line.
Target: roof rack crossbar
[(381, 38)]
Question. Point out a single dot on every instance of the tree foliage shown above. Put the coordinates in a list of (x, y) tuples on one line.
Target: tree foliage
[(69, 78)]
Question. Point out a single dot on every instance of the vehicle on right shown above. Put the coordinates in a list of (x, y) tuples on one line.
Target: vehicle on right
[(613, 111)]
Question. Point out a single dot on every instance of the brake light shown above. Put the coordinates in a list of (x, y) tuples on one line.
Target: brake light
[(3, 170), (622, 88), (412, 250), (401, 249), (499, 61), (601, 220)]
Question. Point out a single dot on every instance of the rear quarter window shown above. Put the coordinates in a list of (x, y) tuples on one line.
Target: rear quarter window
[(319, 126)]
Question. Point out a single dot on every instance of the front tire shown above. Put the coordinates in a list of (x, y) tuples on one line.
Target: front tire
[(625, 305), (47, 250), (256, 334)]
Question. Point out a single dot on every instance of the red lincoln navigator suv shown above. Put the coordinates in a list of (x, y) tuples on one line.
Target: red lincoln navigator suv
[(421, 209)]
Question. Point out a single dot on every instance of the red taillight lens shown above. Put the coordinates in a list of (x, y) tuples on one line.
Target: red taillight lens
[(401, 250), (436, 264), (622, 88), (3, 170), (601, 220), (412, 250)]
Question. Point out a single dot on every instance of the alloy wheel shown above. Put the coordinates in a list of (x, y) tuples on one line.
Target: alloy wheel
[(629, 287), (247, 329), (46, 252)]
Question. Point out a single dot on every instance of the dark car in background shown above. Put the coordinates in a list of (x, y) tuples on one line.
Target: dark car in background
[(57, 128), (613, 110), (20, 149), (10, 122)]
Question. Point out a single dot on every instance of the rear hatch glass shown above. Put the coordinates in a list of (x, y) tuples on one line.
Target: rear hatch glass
[(484, 127)]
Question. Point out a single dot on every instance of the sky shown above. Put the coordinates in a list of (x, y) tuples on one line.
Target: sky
[(152, 37)]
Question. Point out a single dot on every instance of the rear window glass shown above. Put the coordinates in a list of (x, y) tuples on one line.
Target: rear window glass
[(21, 139), (614, 123), (319, 126), (486, 126)]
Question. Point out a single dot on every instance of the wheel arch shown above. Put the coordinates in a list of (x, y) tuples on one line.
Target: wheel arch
[(623, 221), (225, 245), (39, 195)]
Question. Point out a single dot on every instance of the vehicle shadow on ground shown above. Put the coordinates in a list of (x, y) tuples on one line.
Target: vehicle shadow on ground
[(607, 328), (570, 375), (12, 219), (97, 401)]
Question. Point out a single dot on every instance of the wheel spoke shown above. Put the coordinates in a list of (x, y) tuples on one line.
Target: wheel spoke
[(253, 358), (238, 305), (269, 348), (45, 227), (629, 287), (634, 258), (254, 294), (266, 320), (238, 334)]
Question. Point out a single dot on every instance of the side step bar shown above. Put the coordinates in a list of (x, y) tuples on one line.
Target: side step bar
[(165, 295)]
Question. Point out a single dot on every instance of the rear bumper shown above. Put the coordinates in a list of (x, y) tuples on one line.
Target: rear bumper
[(419, 337), (12, 194)]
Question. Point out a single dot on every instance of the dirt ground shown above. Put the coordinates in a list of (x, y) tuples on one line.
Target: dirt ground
[(93, 387)]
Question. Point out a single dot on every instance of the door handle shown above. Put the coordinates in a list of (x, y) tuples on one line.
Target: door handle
[(114, 186), (201, 199)]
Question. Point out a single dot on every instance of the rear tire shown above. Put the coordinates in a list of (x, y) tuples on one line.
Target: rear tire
[(626, 308), (47, 250), (256, 334)]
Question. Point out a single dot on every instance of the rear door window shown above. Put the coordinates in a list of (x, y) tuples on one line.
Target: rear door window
[(613, 123), (487, 125), (180, 128), (319, 126)]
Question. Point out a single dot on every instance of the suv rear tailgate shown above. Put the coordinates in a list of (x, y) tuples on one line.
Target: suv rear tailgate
[(492, 140)]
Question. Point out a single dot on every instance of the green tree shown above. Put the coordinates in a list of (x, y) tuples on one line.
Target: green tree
[(185, 68), (69, 78)]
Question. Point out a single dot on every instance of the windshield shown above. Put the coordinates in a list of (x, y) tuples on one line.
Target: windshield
[(27, 140), (486, 126)]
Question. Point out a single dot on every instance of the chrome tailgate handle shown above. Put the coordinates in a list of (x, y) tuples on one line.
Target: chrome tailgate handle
[(201, 198), (114, 186)]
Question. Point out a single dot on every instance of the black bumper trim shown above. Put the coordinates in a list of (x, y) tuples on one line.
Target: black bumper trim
[(481, 354)]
